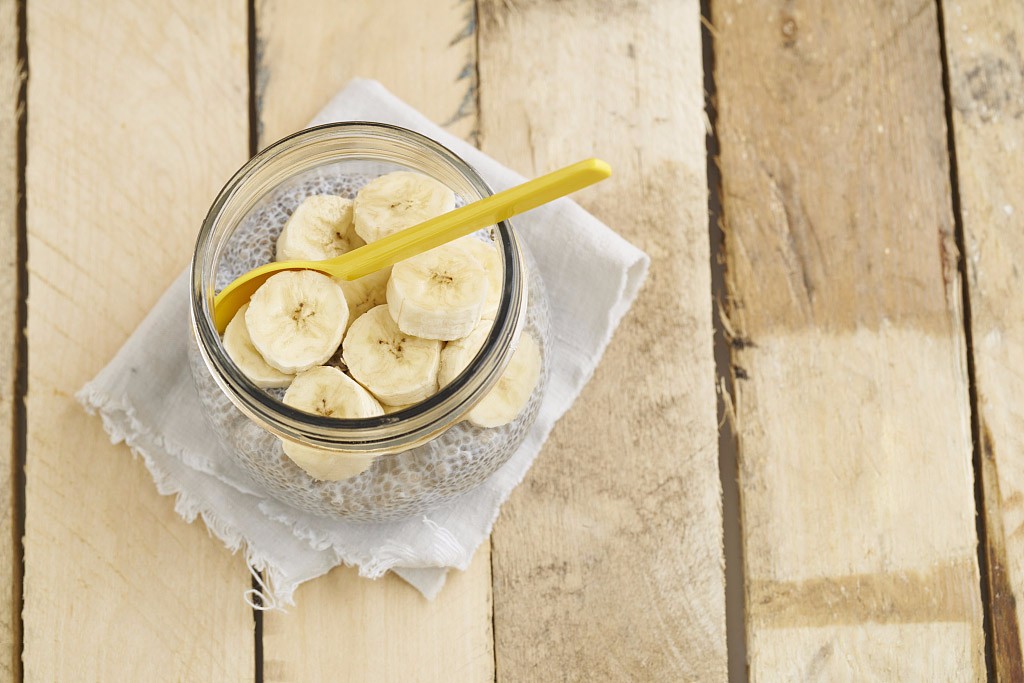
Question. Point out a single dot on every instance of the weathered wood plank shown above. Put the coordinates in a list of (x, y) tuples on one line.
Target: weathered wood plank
[(137, 114), (346, 628), (308, 51), (849, 362), (380, 630), (985, 52), (608, 559), (10, 545)]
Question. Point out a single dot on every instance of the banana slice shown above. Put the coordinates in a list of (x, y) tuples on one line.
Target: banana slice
[(329, 392), (397, 201), (327, 465), (365, 293), (239, 346), (487, 254), (438, 294), (320, 228), (456, 355), (296, 319), (512, 392), (397, 368)]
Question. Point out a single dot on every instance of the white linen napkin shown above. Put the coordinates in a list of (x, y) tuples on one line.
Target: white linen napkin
[(146, 399)]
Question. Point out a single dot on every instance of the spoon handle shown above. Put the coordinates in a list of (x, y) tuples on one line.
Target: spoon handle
[(466, 220)]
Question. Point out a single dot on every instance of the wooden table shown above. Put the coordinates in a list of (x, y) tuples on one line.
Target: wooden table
[(859, 281)]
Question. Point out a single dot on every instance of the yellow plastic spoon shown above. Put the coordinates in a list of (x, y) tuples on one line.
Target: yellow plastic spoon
[(422, 237)]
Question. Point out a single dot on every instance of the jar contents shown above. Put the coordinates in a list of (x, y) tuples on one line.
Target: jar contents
[(364, 348), (322, 193)]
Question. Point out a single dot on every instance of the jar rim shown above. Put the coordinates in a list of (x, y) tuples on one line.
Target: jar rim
[(390, 433)]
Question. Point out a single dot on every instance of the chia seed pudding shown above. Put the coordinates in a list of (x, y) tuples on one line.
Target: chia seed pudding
[(396, 485)]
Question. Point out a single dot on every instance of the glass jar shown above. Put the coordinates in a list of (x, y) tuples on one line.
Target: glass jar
[(410, 460)]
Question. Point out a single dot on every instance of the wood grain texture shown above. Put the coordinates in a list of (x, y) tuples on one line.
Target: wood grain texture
[(608, 558), (349, 629), (307, 51), (851, 388), (10, 545), (985, 52), (137, 114), (366, 630)]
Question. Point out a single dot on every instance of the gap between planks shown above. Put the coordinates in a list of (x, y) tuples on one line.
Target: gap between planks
[(254, 137), (727, 442), (972, 384), (475, 136), (21, 343)]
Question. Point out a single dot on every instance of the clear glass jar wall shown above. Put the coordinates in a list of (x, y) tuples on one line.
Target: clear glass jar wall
[(422, 456)]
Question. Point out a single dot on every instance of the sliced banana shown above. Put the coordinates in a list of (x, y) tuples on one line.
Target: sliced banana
[(296, 319), (320, 228), (487, 255), (327, 465), (510, 395), (365, 293), (240, 349), (438, 294), (329, 392), (397, 368), (394, 409), (397, 201), (456, 355)]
